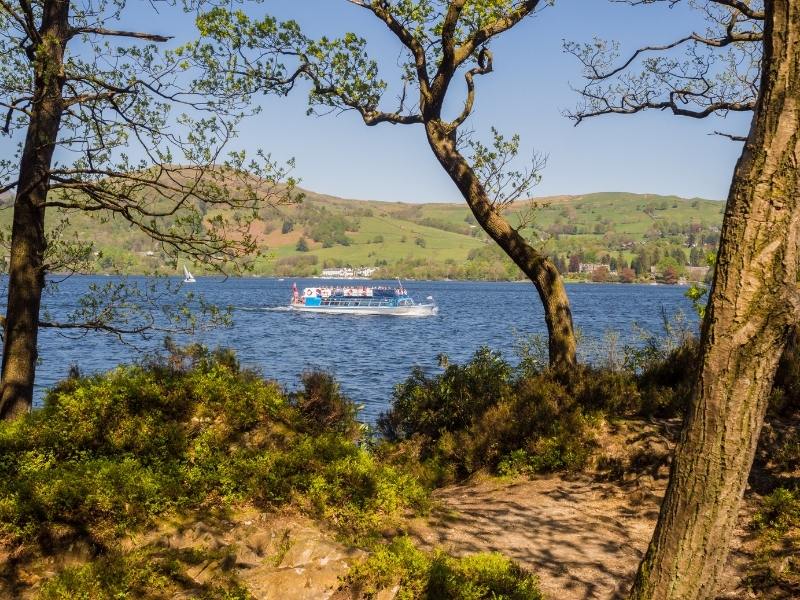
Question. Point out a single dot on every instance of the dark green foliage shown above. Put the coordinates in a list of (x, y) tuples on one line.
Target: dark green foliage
[(302, 245), (786, 452), (437, 576), (323, 407), (448, 402), (332, 230), (485, 414), (666, 381), (108, 453), (780, 511), (665, 378)]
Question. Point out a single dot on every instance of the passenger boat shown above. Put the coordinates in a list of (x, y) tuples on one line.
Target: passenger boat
[(360, 300)]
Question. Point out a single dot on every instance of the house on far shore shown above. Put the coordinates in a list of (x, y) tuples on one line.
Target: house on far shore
[(590, 268), (348, 272), (696, 273)]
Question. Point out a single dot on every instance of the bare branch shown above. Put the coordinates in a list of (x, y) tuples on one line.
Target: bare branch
[(743, 8), (629, 108), (730, 136), (13, 106), (718, 72), (151, 37), (8, 187), (485, 66), (15, 15)]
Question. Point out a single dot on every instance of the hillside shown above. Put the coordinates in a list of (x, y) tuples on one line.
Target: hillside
[(442, 240)]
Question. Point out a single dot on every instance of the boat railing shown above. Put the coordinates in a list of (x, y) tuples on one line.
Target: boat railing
[(355, 302)]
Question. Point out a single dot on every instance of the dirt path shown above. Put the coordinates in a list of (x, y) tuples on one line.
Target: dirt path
[(583, 538)]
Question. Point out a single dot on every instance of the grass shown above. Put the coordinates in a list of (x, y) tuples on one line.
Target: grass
[(631, 217)]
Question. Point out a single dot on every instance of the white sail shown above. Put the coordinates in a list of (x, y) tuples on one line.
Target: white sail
[(187, 276)]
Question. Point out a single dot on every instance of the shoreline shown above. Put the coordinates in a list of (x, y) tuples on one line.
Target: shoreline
[(320, 278)]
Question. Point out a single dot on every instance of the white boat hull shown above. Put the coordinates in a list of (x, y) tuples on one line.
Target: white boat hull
[(417, 310)]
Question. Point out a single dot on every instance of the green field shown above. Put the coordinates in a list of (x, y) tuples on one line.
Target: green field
[(433, 240)]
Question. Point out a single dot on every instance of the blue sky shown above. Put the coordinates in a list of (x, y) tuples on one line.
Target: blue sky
[(652, 152)]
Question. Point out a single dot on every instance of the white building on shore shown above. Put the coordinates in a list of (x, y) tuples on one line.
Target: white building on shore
[(348, 272)]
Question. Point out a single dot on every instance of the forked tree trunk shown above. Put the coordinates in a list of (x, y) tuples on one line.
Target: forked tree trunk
[(536, 266), (26, 268), (752, 309)]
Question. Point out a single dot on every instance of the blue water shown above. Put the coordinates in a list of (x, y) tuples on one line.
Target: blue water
[(369, 355)]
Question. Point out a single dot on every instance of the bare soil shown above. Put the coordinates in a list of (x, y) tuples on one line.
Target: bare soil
[(583, 535)]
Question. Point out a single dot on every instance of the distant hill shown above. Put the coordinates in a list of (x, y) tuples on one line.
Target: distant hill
[(437, 240)]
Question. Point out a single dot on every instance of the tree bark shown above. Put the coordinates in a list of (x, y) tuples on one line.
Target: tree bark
[(28, 244), (752, 309), (536, 266)]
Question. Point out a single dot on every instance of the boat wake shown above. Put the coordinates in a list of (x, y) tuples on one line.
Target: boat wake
[(262, 308)]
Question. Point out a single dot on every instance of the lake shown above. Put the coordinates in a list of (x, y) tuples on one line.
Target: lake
[(369, 355)]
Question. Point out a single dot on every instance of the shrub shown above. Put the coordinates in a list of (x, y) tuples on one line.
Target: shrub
[(436, 576), (487, 415), (779, 511), (665, 372), (323, 407), (448, 402), (666, 382), (108, 453)]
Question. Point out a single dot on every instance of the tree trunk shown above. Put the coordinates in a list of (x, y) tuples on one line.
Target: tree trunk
[(536, 266), (28, 244), (753, 306)]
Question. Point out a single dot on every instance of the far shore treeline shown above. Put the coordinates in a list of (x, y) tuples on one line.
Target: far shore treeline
[(601, 237)]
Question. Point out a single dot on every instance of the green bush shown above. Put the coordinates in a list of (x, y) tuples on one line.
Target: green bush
[(487, 415), (665, 376), (448, 402), (665, 382), (437, 576), (108, 453), (323, 407)]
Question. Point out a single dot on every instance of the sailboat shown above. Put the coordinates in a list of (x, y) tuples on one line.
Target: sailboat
[(187, 276)]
